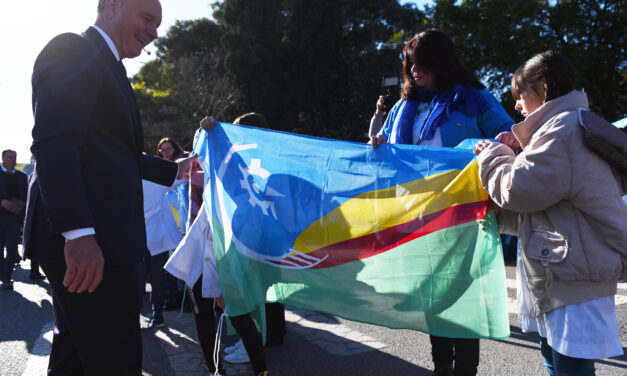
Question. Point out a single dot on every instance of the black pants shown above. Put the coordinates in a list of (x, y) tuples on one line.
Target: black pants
[(96, 333), (152, 267), (9, 236), (464, 351), (34, 268), (205, 317), (245, 327), (275, 323)]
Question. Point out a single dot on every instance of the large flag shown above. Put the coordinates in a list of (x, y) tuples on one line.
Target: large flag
[(400, 236)]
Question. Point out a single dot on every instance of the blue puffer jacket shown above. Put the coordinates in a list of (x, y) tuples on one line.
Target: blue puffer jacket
[(459, 127)]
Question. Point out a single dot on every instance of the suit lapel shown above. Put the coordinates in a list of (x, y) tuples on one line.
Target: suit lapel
[(119, 73)]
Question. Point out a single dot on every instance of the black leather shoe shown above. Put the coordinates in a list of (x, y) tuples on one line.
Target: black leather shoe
[(8, 286)]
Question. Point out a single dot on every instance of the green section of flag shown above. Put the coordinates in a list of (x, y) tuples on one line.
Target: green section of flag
[(449, 283)]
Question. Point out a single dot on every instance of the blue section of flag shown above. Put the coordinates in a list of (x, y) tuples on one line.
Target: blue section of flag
[(178, 198), (281, 183)]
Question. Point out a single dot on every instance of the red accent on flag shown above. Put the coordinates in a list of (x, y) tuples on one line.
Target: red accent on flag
[(392, 237)]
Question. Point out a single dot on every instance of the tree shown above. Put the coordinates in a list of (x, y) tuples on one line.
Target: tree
[(198, 89), (497, 36), (185, 83), (314, 67)]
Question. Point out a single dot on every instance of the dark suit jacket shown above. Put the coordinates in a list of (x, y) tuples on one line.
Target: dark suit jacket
[(87, 141), (22, 185)]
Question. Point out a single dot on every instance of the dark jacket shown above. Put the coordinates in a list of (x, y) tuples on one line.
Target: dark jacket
[(88, 141), (22, 185)]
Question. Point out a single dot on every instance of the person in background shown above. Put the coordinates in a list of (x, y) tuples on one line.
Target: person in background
[(162, 235), (275, 311), (250, 347), (13, 188), (442, 103), (168, 148), (563, 201), (193, 262)]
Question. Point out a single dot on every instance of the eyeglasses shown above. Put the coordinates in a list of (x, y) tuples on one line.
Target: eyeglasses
[(166, 149)]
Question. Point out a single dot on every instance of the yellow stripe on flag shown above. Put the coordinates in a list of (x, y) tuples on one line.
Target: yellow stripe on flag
[(377, 210)]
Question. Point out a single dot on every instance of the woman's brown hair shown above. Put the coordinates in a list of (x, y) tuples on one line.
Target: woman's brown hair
[(548, 73), (177, 148), (434, 52)]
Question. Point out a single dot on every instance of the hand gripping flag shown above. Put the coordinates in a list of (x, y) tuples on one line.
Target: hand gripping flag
[(400, 236)]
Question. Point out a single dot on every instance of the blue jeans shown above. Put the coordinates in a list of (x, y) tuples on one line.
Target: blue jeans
[(562, 365)]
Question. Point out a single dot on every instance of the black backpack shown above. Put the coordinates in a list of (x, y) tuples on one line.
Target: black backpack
[(607, 141)]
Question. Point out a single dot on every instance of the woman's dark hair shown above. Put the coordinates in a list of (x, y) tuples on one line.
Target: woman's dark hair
[(547, 74), (434, 52), (178, 150), (252, 119)]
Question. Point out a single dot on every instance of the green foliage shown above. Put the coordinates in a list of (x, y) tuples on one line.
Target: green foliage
[(315, 66), (497, 36), (185, 83), (194, 38)]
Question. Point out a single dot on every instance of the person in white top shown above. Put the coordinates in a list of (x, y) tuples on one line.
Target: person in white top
[(564, 202), (162, 235)]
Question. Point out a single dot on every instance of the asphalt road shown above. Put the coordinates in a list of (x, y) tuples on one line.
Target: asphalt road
[(316, 344)]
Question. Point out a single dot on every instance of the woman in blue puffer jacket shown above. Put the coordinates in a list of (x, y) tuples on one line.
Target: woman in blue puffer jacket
[(442, 104)]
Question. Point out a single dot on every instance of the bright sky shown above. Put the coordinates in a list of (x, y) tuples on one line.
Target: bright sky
[(25, 28)]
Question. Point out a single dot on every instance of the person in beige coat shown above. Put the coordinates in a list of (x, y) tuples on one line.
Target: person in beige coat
[(564, 203)]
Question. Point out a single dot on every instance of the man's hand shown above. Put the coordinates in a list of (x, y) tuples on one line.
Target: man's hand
[(8, 205), (18, 206), (14, 206), (208, 123), (377, 140), (184, 165), (85, 264)]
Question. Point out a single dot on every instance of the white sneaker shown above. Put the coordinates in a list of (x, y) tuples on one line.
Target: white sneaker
[(238, 356), (236, 346)]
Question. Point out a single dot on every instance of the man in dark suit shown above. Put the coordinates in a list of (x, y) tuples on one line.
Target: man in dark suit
[(84, 220), (13, 186)]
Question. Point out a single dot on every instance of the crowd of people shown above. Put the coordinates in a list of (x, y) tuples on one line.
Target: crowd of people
[(559, 195)]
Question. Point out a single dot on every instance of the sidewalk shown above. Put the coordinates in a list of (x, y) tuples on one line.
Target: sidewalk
[(315, 343), (180, 347)]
